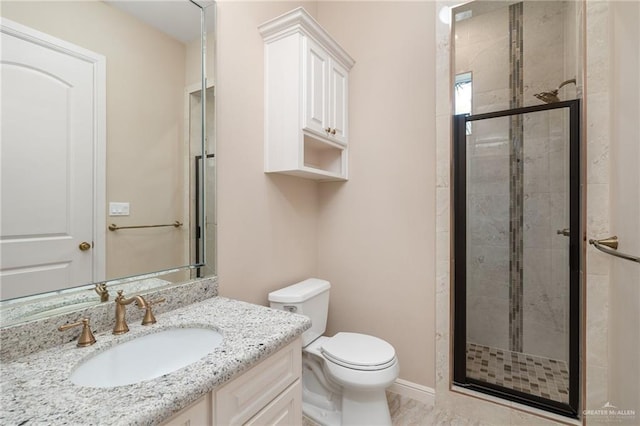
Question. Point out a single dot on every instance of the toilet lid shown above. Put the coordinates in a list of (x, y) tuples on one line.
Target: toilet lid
[(359, 351)]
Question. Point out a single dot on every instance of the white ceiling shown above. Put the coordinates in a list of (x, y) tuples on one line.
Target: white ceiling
[(178, 18)]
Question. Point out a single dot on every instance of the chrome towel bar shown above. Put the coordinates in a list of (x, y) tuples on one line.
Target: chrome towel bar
[(114, 227), (609, 246)]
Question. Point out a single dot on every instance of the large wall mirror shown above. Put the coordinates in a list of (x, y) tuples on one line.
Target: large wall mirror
[(107, 171)]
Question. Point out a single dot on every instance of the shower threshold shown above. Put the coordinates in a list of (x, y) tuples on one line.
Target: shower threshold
[(539, 376)]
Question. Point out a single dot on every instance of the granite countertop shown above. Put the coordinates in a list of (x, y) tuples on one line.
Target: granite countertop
[(36, 388)]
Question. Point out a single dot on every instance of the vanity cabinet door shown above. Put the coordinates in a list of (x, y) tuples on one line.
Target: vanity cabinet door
[(197, 414), (286, 409), (269, 393), (244, 397)]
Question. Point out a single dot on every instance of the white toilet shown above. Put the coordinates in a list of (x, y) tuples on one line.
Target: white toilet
[(344, 377)]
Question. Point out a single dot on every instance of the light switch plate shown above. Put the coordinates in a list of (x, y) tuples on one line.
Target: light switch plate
[(118, 209)]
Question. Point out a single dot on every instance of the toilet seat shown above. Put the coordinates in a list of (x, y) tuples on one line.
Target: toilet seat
[(358, 352)]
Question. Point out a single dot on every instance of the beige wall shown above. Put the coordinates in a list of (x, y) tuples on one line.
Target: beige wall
[(376, 232), (267, 234), (145, 115), (373, 236)]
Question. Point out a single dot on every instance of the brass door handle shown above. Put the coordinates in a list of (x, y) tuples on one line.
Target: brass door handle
[(84, 246)]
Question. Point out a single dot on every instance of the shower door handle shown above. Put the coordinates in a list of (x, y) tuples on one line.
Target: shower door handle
[(564, 232)]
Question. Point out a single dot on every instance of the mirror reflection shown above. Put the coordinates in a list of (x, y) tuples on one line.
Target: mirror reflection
[(102, 133)]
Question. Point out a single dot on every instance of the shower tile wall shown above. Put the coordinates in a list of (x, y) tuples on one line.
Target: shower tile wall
[(482, 47), (545, 252), (516, 176), (547, 63)]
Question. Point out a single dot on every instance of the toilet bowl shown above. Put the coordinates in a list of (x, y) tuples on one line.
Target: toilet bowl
[(345, 376)]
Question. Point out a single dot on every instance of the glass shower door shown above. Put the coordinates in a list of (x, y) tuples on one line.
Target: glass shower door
[(516, 279)]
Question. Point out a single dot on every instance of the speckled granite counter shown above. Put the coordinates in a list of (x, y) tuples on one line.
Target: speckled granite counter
[(29, 337), (36, 389)]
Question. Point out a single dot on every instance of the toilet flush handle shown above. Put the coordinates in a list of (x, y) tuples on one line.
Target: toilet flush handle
[(290, 308)]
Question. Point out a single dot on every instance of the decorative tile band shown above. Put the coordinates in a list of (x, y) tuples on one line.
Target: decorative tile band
[(516, 186)]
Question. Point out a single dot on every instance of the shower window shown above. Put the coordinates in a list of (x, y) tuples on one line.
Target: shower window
[(517, 228), (463, 91)]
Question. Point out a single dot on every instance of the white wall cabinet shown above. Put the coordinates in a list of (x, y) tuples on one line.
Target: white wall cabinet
[(306, 99), (325, 94), (338, 98), (269, 393)]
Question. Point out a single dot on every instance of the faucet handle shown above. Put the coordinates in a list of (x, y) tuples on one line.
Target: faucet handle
[(86, 336), (149, 318)]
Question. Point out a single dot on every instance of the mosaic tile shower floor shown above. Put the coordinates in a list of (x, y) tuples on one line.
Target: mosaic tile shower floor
[(548, 378)]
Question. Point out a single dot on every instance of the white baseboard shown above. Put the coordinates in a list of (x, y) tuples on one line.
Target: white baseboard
[(421, 393)]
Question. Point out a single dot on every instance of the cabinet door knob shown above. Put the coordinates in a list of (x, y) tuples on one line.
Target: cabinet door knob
[(333, 131), (328, 130)]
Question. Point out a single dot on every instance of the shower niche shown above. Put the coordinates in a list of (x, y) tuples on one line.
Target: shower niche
[(517, 202)]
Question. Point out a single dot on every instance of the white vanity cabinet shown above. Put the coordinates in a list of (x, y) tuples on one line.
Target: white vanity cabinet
[(306, 99), (198, 413), (269, 393)]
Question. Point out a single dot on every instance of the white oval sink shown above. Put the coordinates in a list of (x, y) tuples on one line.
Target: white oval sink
[(146, 357)]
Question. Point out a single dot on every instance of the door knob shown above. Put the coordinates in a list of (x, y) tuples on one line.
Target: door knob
[(84, 246), (564, 232)]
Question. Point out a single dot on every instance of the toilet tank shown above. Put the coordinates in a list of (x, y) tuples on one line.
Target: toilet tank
[(309, 297)]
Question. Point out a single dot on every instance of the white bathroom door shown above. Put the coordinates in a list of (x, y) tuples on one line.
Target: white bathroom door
[(49, 133)]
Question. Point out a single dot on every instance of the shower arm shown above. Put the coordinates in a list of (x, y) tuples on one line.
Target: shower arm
[(564, 83), (552, 96), (611, 248)]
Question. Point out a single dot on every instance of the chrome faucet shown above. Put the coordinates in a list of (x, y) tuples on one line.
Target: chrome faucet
[(121, 324)]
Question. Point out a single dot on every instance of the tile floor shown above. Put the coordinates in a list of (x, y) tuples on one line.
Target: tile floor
[(548, 378), (409, 412), (539, 376)]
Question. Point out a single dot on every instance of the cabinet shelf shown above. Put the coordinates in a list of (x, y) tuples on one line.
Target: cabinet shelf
[(324, 157)]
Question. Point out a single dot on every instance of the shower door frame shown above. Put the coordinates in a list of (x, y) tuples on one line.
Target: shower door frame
[(459, 279)]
